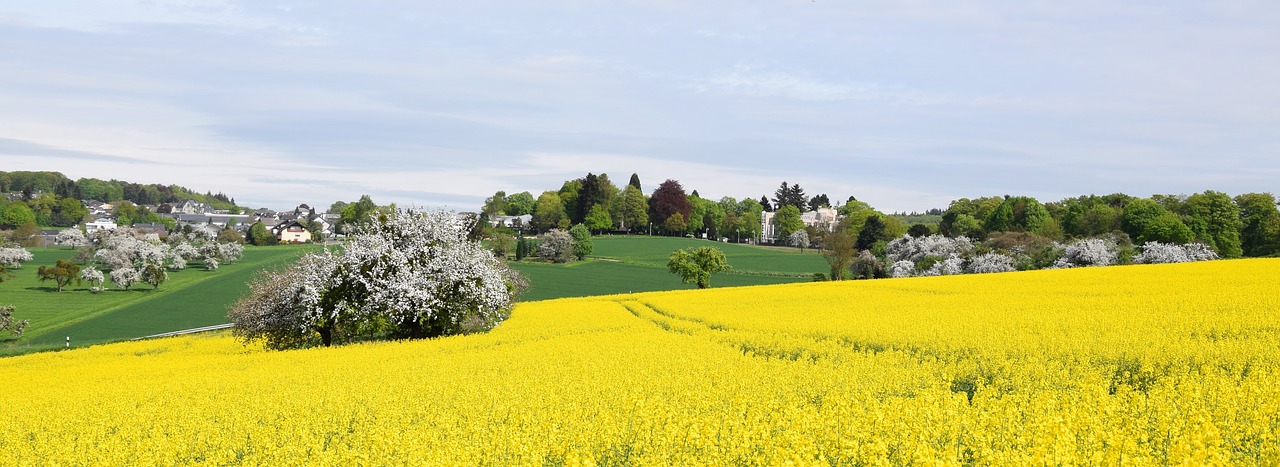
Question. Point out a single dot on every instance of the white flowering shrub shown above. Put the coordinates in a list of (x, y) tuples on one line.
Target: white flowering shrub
[(902, 268), (70, 237), (13, 257), (94, 277), (121, 249), (1156, 253), (211, 264), (991, 262), (177, 263), (556, 245), (1089, 252), (204, 232), (916, 249), (184, 251), (125, 277), (946, 267), (416, 274), (177, 238), (799, 239)]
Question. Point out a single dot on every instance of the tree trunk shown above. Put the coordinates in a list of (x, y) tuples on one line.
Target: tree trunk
[(326, 335)]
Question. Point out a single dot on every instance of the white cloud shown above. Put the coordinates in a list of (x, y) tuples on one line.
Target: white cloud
[(743, 81)]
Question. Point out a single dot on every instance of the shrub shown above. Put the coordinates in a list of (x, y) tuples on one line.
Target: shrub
[(556, 245)]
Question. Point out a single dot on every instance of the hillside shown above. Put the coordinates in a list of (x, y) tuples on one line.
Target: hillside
[(625, 264), (1155, 364), (190, 298)]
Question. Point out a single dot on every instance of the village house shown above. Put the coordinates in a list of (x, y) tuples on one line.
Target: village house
[(100, 224), (192, 206), (291, 232)]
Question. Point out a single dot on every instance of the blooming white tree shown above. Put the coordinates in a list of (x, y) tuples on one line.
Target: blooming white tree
[(990, 262), (902, 268), (416, 272), (94, 277), (204, 232), (556, 245), (799, 239), (1089, 252), (916, 249), (946, 267), (125, 277), (13, 257), (1156, 252), (70, 237)]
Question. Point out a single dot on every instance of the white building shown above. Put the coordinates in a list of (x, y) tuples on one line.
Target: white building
[(822, 219), (100, 224)]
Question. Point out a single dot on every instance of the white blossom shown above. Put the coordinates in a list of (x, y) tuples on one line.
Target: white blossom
[(70, 237), (902, 268), (1156, 252), (556, 245), (799, 239), (14, 257), (1090, 252), (205, 232), (916, 249), (990, 262), (125, 277), (94, 277), (416, 271), (946, 267), (185, 251)]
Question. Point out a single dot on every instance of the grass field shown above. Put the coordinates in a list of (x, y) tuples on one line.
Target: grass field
[(1129, 365), (626, 264), (190, 298)]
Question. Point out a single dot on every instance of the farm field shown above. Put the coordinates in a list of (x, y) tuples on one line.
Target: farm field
[(190, 298), (626, 264), (1137, 365)]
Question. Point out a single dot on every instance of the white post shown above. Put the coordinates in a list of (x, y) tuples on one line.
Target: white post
[(68, 342)]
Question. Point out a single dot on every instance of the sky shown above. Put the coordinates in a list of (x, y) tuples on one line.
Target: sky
[(906, 105)]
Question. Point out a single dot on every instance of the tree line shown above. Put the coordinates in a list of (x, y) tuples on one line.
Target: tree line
[(108, 191)]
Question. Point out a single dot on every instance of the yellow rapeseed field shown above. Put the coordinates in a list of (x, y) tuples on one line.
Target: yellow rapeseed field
[(1133, 365)]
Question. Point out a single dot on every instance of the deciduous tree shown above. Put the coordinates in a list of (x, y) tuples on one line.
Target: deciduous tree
[(61, 273), (669, 199), (7, 322), (786, 220), (556, 245), (696, 265), (548, 212), (838, 249), (581, 241)]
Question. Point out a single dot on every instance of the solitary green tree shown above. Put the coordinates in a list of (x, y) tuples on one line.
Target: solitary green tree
[(62, 273), (696, 265), (581, 241)]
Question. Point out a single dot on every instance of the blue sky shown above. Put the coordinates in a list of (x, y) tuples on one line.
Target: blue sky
[(905, 105)]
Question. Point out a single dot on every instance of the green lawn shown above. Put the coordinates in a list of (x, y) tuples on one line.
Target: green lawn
[(623, 264), (190, 298), (745, 259)]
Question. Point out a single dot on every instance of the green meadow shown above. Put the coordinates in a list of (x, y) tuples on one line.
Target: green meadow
[(190, 298), (625, 264)]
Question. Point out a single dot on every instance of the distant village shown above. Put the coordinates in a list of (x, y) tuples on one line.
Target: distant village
[(287, 226)]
